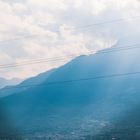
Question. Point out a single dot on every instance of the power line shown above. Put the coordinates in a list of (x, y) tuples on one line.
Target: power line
[(107, 22), (58, 59), (77, 80), (82, 27), (17, 38), (63, 58)]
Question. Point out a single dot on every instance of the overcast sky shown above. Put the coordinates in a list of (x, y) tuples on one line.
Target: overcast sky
[(37, 29)]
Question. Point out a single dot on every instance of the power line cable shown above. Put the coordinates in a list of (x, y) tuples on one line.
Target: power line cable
[(82, 27), (77, 80), (37, 61), (107, 22)]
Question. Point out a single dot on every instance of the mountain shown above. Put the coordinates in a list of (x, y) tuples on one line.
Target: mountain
[(77, 100), (6, 82), (8, 90)]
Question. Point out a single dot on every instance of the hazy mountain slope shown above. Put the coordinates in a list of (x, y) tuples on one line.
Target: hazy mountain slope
[(8, 90), (73, 109), (6, 82)]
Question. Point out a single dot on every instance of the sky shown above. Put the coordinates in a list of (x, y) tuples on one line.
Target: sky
[(42, 29)]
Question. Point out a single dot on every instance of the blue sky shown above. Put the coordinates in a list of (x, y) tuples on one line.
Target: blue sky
[(53, 27)]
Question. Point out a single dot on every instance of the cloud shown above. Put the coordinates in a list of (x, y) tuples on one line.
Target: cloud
[(56, 28), (50, 4)]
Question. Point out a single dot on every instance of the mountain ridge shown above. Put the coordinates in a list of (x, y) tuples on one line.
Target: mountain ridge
[(92, 103)]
